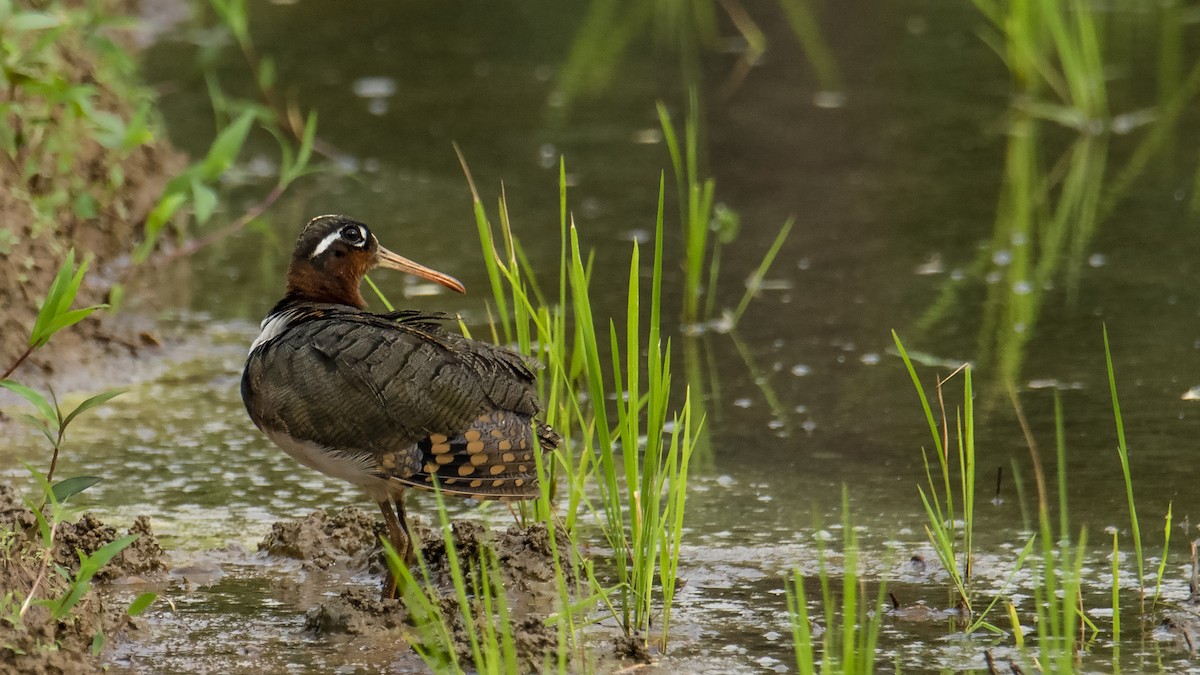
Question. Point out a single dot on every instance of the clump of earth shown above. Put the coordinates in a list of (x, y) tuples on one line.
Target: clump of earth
[(38, 642), (347, 541)]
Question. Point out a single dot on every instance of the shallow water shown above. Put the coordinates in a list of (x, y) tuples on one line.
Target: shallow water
[(896, 193)]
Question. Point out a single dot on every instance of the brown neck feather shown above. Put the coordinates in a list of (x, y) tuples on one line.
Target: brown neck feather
[(339, 285)]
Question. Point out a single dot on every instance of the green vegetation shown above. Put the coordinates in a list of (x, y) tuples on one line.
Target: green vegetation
[(1059, 574), (22, 552), (194, 190), (851, 632), (57, 123)]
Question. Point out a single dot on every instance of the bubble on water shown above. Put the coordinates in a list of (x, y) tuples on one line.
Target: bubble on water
[(374, 87), (800, 370), (869, 359), (548, 155), (647, 136), (1022, 287), (1001, 257), (829, 99), (743, 402), (1097, 260)]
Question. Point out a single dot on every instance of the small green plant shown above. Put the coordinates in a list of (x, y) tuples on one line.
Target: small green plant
[(50, 419), (1135, 529), (481, 601), (952, 540), (701, 218), (851, 631), (55, 312), (643, 486)]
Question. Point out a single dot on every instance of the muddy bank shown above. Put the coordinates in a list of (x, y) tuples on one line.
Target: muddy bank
[(40, 642), (68, 187), (346, 542)]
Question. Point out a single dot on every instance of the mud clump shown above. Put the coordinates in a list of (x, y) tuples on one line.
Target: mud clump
[(140, 561), (632, 648), (355, 611), (350, 537), (39, 642)]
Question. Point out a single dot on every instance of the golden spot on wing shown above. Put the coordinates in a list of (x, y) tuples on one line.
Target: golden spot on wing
[(519, 482), (474, 447), (429, 478), (505, 445), (522, 444), (440, 448), (430, 467), (522, 468), (388, 462), (443, 459), (437, 438), (509, 457), (476, 483), (496, 433), (466, 470), (498, 482), (498, 468), (527, 456), (472, 435), (479, 459), (450, 481)]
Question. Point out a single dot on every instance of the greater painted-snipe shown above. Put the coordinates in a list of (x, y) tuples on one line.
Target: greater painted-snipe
[(388, 401)]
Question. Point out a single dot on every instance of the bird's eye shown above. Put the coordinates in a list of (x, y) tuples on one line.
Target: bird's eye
[(353, 235)]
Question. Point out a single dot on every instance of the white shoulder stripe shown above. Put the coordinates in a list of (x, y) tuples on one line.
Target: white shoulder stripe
[(272, 326)]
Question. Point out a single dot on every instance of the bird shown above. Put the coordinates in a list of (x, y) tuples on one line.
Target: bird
[(389, 401)]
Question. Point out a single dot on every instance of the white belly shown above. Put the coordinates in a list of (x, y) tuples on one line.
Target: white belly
[(353, 468)]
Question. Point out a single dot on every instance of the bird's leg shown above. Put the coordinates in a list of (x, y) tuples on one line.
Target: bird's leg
[(399, 541), (409, 556)]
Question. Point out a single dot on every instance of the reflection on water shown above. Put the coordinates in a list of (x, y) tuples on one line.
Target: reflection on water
[(954, 199)]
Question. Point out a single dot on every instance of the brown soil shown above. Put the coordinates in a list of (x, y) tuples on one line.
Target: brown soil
[(349, 539), (38, 643), (126, 185)]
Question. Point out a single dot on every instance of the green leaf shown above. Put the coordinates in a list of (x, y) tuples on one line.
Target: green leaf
[(40, 424), (140, 603), (85, 206), (24, 21), (88, 567), (43, 406), (266, 73), (204, 201), (98, 642), (65, 489), (49, 308), (98, 399), (173, 198), (70, 318), (225, 149)]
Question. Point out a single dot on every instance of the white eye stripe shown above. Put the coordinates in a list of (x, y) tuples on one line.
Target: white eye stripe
[(325, 243), (334, 236)]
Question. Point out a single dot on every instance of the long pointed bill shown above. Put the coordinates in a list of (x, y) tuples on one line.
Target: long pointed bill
[(385, 258)]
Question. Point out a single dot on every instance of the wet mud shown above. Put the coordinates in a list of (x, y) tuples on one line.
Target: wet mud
[(347, 542)]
